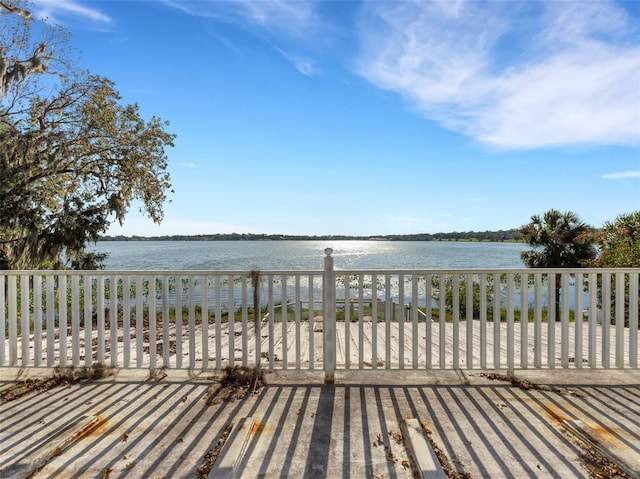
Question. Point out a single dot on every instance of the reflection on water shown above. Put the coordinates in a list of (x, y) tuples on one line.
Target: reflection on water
[(231, 290), (307, 255)]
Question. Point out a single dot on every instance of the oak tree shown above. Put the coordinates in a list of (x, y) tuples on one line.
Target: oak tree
[(73, 157)]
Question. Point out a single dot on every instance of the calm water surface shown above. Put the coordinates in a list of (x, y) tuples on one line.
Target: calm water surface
[(295, 255)]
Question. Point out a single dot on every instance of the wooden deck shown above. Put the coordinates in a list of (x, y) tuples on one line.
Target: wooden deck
[(360, 345)]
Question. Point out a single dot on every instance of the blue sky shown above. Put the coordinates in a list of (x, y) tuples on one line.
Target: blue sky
[(366, 118)]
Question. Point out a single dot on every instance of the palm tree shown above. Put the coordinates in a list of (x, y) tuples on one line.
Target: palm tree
[(560, 240)]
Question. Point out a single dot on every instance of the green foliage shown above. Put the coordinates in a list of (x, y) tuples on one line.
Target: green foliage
[(511, 235), (560, 240), (620, 242), (73, 158), (448, 288), (620, 248)]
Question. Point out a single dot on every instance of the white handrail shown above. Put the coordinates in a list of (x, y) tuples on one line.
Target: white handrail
[(491, 318)]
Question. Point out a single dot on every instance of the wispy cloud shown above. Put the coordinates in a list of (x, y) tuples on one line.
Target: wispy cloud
[(56, 10), (305, 65), (511, 75), (289, 17), (621, 175), (282, 21), (187, 165)]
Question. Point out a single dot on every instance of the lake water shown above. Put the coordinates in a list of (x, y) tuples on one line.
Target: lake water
[(307, 255)]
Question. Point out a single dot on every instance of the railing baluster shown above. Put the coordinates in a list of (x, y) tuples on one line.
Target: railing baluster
[(579, 318), (37, 319), (204, 321), (551, 322), (593, 318), (113, 319), (497, 306), (166, 335), (564, 341), (455, 306), (298, 300), (126, 320), (87, 318), (360, 322), (483, 321), (414, 319), (284, 310), (312, 325), (179, 320), (24, 318), (75, 321), (192, 322), (139, 320), (153, 331), (374, 321), (442, 321), (12, 291), (231, 320), (388, 312), (606, 320), (3, 321), (469, 281), (620, 290), (537, 325), (50, 317), (401, 319), (257, 315), (100, 317), (524, 320), (429, 320), (272, 351), (510, 324), (63, 285), (347, 321), (245, 320), (633, 319)]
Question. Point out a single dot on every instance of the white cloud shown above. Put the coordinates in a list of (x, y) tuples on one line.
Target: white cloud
[(621, 175), (511, 75), (52, 9), (187, 165)]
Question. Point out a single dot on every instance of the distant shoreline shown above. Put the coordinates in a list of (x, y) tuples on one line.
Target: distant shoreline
[(511, 236)]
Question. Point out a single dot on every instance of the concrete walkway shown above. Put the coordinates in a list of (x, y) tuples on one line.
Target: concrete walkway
[(147, 428)]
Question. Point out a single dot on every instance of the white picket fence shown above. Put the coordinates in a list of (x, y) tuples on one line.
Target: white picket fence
[(329, 320)]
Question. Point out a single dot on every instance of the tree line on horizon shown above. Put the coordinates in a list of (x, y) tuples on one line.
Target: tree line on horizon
[(497, 236)]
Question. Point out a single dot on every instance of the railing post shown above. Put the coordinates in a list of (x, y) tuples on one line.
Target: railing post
[(329, 318)]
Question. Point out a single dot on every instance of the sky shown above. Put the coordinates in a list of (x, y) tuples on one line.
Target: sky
[(376, 117)]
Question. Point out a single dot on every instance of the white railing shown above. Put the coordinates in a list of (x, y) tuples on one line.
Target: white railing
[(331, 319)]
